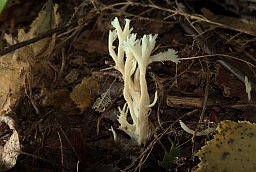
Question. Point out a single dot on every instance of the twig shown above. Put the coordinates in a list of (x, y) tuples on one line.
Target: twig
[(58, 30), (70, 144), (61, 150), (43, 159), (109, 107), (142, 158), (206, 94), (33, 40)]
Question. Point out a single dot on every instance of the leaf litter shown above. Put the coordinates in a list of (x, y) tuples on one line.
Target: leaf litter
[(16, 69), (50, 80)]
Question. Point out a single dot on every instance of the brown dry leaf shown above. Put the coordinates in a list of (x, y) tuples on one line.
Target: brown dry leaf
[(231, 86), (12, 78), (82, 149), (15, 66), (93, 46), (47, 19), (59, 99), (72, 76), (91, 42), (84, 94)]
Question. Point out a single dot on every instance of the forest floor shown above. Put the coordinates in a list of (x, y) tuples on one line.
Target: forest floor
[(59, 123)]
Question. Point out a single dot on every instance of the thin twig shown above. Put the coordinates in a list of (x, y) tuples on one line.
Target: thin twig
[(70, 144), (142, 157), (33, 40), (61, 151), (206, 94)]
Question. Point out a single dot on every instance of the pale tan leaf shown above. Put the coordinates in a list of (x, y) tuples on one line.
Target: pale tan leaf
[(11, 148), (12, 78), (232, 149), (102, 102), (11, 152)]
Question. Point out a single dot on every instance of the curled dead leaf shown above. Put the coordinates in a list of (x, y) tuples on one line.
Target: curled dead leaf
[(84, 94), (11, 149)]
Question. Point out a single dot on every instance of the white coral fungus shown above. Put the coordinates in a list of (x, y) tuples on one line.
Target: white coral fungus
[(131, 59)]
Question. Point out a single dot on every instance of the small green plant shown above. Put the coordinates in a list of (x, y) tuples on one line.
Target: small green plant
[(2, 5), (168, 159)]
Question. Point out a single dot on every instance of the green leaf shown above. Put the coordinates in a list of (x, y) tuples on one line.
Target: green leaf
[(167, 161), (2, 5)]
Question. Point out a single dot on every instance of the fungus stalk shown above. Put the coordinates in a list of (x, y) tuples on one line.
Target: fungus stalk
[(131, 59)]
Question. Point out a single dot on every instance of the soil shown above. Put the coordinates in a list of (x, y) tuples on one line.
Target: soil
[(57, 133)]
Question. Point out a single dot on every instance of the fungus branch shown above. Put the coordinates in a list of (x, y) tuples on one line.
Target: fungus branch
[(131, 60)]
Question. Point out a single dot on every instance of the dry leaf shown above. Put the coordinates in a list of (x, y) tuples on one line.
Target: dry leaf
[(232, 149), (15, 66), (11, 80), (243, 25), (58, 99), (11, 148), (102, 102), (107, 96), (47, 19), (11, 152), (89, 41), (83, 94), (72, 76)]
